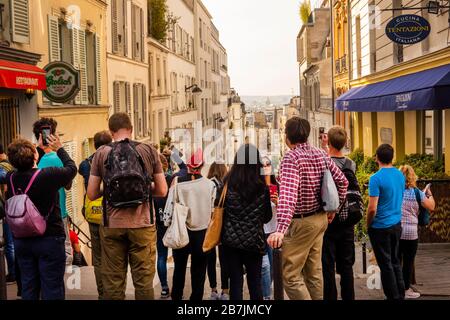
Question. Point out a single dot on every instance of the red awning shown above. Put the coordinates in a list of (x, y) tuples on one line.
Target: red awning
[(16, 75)]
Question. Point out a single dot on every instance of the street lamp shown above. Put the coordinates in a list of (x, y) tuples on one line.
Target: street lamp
[(433, 7), (195, 89)]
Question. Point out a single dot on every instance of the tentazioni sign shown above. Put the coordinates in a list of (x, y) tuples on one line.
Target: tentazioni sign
[(63, 82), (408, 29)]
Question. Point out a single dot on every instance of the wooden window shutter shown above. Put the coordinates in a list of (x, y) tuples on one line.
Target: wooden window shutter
[(53, 39), (20, 22), (136, 109), (128, 99), (82, 66), (98, 69), (144, 112), (142, 36), (114, 26), (116, 94), (72, 194), (76, 57), (125, 28), (133, 32)]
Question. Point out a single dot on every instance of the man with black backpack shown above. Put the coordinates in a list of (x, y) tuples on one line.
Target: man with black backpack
[(132, 175), (338, 251)]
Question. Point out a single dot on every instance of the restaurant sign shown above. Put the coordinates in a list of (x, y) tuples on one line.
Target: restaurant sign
[(408, 29), (63, 82)]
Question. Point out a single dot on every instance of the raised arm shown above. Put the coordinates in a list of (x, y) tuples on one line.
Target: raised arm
[(63, 176)]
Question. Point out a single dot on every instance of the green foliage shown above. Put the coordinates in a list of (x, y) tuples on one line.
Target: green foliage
[(305, 11), (439, 221), (166, 141), (425, 166), (158, 17)]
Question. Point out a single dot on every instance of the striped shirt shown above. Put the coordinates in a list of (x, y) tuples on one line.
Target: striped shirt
[(301, 173)]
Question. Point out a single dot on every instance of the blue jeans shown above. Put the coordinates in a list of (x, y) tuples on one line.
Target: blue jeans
[(9, 249), (42, 263), (162, 255), (267, 273)]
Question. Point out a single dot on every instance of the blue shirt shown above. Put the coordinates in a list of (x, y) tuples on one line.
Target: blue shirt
[(51, 159), (388, 184)]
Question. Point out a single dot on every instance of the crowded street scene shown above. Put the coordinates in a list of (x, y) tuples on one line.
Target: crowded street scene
[(238, 150)]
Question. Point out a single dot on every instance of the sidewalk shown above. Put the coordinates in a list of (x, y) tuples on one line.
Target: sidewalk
[(432, 273)]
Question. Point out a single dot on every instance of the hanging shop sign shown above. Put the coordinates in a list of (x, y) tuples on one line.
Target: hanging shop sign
[(408, 29), (63, 82)]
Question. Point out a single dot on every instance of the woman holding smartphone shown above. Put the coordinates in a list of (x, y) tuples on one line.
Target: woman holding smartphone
[(409, 239)]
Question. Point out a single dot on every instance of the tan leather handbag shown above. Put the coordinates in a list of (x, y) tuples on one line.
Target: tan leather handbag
[(212, 237)]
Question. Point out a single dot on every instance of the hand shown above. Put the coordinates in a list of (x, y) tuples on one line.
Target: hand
[(54, 143), (275, 240), (274, 198), (331, 216)]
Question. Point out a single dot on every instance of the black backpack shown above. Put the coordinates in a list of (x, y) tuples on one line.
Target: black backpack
[(354, 200), (126, 182)]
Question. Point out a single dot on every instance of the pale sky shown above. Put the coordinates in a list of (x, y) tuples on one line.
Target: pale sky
[(260, 38)]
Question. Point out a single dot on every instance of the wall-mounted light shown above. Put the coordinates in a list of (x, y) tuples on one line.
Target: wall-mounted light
[(30, 93), (195, 89)]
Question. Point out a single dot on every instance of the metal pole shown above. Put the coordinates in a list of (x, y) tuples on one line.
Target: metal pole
[(364, 258), (278, 291), (2, 265)]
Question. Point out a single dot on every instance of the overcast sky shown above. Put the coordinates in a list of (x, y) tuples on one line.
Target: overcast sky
[(260, 38)]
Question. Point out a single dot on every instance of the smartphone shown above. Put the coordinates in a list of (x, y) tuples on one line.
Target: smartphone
[(273, 190), (46, 131)]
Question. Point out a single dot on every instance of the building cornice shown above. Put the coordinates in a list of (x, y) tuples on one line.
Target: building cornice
[(152, 41), (204, 8), (115, 57), (429, 61), (17, 55)]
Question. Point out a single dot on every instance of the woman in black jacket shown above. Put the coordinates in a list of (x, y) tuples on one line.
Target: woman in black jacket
[(41, 259), (247, 209)]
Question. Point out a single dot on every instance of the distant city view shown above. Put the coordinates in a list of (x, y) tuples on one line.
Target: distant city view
[(262, 101)]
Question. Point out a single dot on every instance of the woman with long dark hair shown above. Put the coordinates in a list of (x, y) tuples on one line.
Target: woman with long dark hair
[(247, 209)]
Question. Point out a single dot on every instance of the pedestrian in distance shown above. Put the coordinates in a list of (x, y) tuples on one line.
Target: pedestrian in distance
[(247, 208), (93, 210), (217, 172), (302, 221), (41, 259), (163, 251), (338, 251), (384, 214), (48, 158), (132, 175), (197, 193), (413, 200)]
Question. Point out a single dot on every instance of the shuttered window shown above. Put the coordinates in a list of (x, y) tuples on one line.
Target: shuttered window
[(20, 22), (128, 100), (53, 37), (137, 32), (145, 113), (72, 194), (119, 26), (98, 69), (140, 111), (136, 104), (122, 97), (83, 72)]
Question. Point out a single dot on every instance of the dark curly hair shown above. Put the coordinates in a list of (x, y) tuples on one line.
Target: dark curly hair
[(44, 122), (21, 154)]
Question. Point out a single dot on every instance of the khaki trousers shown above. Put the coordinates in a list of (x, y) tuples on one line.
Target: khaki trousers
[(120, 247), (302, 258)]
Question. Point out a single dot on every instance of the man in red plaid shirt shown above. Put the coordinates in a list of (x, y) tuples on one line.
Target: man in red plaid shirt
[(301, 219)]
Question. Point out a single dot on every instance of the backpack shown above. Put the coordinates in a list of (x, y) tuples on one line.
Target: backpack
[(22, 216), (355, 206), (93, 210), (424, 214), (126, 182)]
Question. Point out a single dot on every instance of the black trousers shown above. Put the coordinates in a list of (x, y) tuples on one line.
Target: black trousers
[(212, 273), (385, 244), (408, 250), (338, 253), (236, 260), (199, 260)]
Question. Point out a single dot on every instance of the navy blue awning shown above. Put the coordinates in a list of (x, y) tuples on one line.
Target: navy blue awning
[(425, 90)]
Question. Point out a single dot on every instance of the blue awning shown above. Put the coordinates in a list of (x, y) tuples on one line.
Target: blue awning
[(425, 90)]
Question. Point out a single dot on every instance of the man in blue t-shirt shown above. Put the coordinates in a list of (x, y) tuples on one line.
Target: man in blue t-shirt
[(384, 215)]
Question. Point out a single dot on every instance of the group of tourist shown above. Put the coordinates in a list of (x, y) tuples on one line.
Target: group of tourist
[(134, 193)]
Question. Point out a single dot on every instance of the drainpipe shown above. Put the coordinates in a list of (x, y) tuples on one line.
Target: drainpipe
[(332, 62)]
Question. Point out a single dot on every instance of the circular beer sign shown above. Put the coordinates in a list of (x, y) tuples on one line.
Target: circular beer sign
[(63, 82), (408, 29)]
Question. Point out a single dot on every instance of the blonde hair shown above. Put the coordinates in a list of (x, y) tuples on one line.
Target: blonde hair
[(410, 176)]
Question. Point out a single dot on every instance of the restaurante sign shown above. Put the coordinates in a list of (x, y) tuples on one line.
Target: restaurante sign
[(63, 82), (408, 29)]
